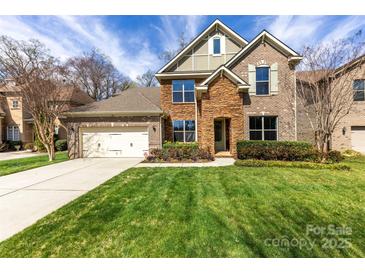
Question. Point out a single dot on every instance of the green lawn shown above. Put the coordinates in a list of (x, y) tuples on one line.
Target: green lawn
[(206, 212), (17, 165)]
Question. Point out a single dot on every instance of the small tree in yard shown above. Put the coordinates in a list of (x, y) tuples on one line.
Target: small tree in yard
[(325, 86), (41, 80)]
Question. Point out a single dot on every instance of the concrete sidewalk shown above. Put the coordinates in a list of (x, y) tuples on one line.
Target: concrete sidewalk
[(27, 196), (18, 155)]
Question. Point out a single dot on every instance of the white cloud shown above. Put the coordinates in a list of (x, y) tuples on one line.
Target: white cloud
[(345, 28), (298, 31), (172, 27), (68, 36)]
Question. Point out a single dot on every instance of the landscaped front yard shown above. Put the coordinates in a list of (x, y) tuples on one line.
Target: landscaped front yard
[(208, 212), (17, 165)]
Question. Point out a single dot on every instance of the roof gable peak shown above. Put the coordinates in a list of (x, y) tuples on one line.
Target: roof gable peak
[(216, 23)]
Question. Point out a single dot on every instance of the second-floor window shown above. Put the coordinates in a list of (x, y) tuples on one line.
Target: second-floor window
[(262, 80), (184, 130), (183, 91), (217, 45), (15, 103), (359, 90)]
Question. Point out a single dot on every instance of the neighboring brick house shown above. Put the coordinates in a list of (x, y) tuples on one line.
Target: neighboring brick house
[(16, 124), (220, 89), (350, 132)]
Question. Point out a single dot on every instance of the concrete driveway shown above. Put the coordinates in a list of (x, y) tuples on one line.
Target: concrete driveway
[(27, 196)]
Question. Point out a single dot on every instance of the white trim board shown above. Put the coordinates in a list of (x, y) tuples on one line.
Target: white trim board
[(204, 33), (230, 75), (263, 35)]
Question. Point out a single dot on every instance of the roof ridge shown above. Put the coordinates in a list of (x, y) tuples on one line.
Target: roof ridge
[(148, 99)]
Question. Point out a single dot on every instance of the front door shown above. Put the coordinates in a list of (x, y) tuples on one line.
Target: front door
[(219, 135)]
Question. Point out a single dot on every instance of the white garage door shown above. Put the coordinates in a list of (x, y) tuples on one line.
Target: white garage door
[(358, 139), (109, 142)]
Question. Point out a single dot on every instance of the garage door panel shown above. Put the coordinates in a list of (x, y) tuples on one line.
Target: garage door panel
[(115, 144), (358, 138)]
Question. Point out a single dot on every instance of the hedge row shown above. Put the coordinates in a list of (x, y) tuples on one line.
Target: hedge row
[(282, 151), (286, 164), (179, 152)]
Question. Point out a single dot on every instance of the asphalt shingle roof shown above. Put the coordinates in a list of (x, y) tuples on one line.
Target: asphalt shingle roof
[(134, 100)]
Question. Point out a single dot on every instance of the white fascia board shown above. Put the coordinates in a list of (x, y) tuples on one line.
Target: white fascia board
[(188, 74), (263, 34), (229, 73), (205, 32)]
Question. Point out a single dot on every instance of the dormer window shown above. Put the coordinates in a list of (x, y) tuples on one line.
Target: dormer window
[(217, 45), (15, 103)]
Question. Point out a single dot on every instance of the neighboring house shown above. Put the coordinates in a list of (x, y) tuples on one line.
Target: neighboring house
[(16, 124), (350, 132), (219, 89)]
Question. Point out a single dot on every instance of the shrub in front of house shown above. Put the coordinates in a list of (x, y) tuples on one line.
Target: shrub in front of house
[(179, 152), (14, 145), (277, 150), (286, 164), (29, 146), (61, 145)]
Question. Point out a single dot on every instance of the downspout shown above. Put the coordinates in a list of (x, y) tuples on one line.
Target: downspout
[(161, 141), (196, 117), (295, 107)]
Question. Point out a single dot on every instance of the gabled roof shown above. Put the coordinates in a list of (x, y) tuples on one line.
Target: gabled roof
[(265, 35), (210, 28), (134, 101), (231, 75)]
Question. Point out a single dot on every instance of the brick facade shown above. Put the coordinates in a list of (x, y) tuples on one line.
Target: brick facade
[(281, 104), (174, 111), (222, 100)]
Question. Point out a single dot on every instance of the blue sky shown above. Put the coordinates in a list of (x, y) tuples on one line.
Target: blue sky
[(135, 42)]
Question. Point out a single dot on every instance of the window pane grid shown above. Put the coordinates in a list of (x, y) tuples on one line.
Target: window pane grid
[(359, 90), (183, 91), (184, 130), (263, 128)]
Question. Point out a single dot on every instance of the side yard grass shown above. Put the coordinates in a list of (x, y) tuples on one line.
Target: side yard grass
[(17, 165), (207, 212)]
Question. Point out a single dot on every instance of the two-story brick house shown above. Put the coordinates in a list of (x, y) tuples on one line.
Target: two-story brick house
[(16, 123), (219, 89)]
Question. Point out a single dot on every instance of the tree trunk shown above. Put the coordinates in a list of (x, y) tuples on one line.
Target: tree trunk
[(51, 153)]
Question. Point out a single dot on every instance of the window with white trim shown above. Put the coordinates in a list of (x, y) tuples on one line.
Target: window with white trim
[(184, 130), (15, 103), (262, 80), (183, 91), (359, 90), (263, 128), (217, 45), (13, 133)]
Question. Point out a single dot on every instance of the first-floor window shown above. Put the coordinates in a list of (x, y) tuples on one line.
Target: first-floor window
[(184, 130), (13, 133), (263, 128)]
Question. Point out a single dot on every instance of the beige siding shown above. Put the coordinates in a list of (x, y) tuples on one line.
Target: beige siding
[(201, 59)]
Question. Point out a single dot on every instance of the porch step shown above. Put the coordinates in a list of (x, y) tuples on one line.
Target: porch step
[(223, 154)]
